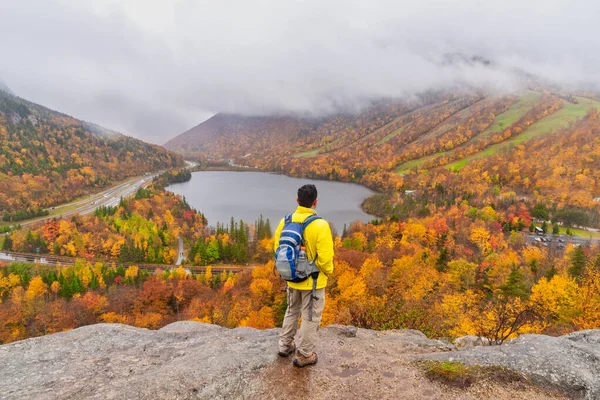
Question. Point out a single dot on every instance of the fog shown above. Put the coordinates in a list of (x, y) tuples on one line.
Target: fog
[(153, 69)]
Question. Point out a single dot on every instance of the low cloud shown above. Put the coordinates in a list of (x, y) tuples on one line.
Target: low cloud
[(155, 68)]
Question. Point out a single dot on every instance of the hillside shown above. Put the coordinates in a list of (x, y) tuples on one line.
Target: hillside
[(390, 136), (48, 158), (191, 360), (418, 144), (228, 135)]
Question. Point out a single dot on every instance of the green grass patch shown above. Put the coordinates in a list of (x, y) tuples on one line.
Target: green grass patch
[(310, 153), (552, 123), (582, 233), (515, 112), (407, 166), (450, 373), (390, 136), (314, 152), (456, 374)]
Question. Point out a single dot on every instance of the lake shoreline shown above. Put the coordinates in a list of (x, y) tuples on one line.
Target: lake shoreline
[(253, 169), (340, 202)]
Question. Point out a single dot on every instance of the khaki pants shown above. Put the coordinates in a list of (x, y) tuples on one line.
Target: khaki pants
[(298, 304)]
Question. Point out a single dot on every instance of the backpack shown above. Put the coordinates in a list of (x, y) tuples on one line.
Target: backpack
[(290, 260)]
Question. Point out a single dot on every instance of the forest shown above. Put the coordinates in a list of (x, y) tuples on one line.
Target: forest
[(448, 271), (48, 158)]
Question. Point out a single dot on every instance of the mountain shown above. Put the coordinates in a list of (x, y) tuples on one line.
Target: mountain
[(392, 134), (231, 127), (390, 139), (192, 360), (5, 88), (48, 158), (230, 135)]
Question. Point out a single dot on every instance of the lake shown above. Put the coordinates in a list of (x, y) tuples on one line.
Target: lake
[(219, 195)]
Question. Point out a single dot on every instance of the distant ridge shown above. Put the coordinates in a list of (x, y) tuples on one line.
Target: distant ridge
[(230, 126)]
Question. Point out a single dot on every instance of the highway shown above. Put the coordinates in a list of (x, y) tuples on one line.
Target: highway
[(108, 197)]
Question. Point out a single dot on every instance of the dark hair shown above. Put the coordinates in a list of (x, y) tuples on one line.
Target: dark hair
[(307, 195)]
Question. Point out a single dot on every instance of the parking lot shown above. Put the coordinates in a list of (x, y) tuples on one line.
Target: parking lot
[(558, 241)]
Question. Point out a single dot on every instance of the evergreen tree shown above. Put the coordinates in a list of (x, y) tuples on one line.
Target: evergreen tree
[(232, 228), (544, 227), (555, 229), (243, 234), (8, 243), (441, 264), (515, 285), (258, 226), (94, 282), (532, 227), (533, 266), (76, 285), (578, 262)]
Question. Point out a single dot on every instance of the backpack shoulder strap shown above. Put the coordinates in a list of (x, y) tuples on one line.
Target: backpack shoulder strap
[(288, 219), (310, 219)]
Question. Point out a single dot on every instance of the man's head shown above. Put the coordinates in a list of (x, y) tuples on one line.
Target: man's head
[(307, 196)]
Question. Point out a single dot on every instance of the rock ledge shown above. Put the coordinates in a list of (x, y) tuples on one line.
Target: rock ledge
[(192, 360)]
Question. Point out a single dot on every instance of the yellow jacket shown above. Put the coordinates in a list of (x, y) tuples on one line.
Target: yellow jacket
[(317, 240)]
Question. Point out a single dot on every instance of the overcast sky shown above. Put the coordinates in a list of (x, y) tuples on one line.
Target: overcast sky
[(154, 68)]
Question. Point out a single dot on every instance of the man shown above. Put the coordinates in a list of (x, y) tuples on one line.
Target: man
[(319, 247)]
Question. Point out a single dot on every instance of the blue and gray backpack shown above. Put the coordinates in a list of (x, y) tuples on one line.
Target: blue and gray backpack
[(290, 260)]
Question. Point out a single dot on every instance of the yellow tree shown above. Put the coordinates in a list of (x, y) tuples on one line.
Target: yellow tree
[(587, 302), (555, 300), (262, 319), (480, 236)]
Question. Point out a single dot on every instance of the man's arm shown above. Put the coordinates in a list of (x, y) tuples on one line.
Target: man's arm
[(325, 250)]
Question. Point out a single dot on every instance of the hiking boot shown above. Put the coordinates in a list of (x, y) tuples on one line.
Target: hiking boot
[(290, 350), (302, 361)]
